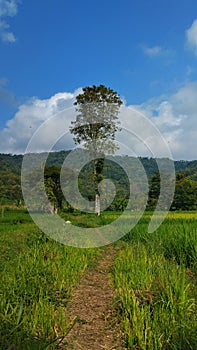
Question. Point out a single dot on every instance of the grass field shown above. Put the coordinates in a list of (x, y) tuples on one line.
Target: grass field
[(154, 275), (37, 276)]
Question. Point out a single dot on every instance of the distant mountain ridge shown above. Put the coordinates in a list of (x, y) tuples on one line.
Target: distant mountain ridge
[(14, 162)]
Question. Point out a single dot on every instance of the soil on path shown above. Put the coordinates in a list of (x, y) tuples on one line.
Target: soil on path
[(91, 310)]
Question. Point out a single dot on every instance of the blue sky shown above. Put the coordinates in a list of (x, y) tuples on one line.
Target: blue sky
[(145, 50)]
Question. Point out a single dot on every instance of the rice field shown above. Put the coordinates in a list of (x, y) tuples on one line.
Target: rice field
[(37, 277), (154, 276)]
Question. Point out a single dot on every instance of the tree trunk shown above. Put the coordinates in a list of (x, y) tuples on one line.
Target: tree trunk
[(97, 205), (98, 167)]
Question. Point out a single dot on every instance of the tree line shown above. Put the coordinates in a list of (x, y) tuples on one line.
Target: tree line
[(185, 197)]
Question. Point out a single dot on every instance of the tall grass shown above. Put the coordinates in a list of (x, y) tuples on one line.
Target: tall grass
[(155, 279), (175, 239), (34, 292)]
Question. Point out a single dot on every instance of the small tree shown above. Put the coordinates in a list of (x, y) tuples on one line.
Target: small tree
[(95, 127)]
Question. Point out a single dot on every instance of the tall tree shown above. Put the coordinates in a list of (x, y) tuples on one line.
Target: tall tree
[(95, 127)]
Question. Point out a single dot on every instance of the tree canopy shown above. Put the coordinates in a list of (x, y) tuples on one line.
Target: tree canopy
[(97, 122)]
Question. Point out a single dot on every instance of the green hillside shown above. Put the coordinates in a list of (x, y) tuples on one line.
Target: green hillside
[(128, 174)]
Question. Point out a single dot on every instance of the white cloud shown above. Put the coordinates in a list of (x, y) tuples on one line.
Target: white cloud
[(175, 116), (155, 51), (19, 130), (152, 51), (8, 36), (8, 8), (191, 36)]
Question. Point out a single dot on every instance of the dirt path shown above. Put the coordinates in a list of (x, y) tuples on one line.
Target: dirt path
[(91, 310)]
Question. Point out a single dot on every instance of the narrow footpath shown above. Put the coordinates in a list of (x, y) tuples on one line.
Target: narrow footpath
[(95, 324)]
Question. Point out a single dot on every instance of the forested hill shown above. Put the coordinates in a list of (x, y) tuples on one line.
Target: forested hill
[(186, 174), (12, 163)]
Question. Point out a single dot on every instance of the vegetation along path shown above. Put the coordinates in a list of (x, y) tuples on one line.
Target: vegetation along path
[(94, 325)]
